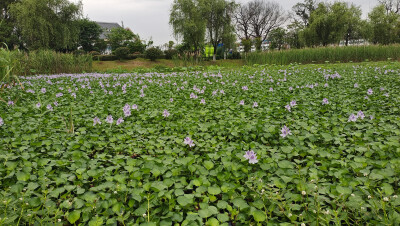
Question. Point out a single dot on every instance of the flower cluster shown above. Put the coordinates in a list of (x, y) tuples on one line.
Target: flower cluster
[(251, 156), (1, 122), (285, 131), (127, 110), (189, 142), (353, 117)]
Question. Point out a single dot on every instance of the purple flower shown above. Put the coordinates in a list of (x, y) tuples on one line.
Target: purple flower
[(361, 115), (96, 120), (38, 105), (203, 101), (222, 91), (193, 96), (59, 95), (285, 131), (326, 85), (325, 101), (248, 154), (271, 89), (166, 113), (109, 119), (55, 103), (352, 118), (288, 107), (10, 103), (135, 107), (43, 90), (356, 85), (251, 156), (189, 142), (30, 91), (171, 100), (1, 122), (49, 107), (245, 88), (119, 121), (370, 92), (290, 88), (293, 103), (386, 94), (241, 102), (255, 104), (73, 95)]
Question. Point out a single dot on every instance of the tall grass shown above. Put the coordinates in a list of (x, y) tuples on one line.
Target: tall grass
[(50, 62), (322, 55)]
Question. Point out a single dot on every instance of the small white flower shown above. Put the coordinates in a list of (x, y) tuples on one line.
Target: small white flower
[(144, 215), (353, 195), (302, 224), (395, 196), (304, 193), (59, 220), (290, 215), (115, 192), (386, 199), (369, 197)]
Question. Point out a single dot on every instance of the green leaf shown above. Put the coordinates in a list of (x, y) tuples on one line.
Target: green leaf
[(97, 221), (184, 200), (343, 190), (74, 216), (259, 216), (208, 164), (212, 222), (214, 190), (285, 164), (240, 203), (22, 176)]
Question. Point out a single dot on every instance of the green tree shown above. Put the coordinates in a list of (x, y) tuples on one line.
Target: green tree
[(246, 45), (119, 37), (354, 24), (293, 36), (89, 33), (189, 25), (8, 34), (384, 26), (277, 38), (47, 23), (218, 16), (304, 9), (328, 24)]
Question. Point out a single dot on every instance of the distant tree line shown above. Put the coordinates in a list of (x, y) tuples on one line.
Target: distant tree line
[(310, 23), (58, 25)]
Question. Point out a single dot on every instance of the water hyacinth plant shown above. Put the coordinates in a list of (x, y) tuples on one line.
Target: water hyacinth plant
[(134, 149)]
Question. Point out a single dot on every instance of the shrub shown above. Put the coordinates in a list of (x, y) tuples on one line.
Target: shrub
[(94, 53), (122, 53), (235, 56), (79, 52), (105, 57), (153, 53), (171, 53)]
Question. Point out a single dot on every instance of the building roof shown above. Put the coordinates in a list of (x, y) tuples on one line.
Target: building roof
[(107, 28)]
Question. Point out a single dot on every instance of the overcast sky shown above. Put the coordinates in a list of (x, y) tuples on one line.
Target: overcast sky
[(149, 18)]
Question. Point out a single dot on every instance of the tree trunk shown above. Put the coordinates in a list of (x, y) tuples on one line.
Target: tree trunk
[(215, 53)]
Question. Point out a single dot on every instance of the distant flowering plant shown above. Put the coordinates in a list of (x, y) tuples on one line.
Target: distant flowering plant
[(360, 115), (255, 104), (285, 131), (96, 121), (241, 102), (288, 107), (325, 101), (203, 101), (38, 105), (251, 156), (1, 122), (120, 120), (109, 119), (166, 113), (49, 107), (370, 92), (352, 118), (293, 103), (189, 142)]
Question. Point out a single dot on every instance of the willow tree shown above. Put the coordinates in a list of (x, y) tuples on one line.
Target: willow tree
[(188, 24), (49, 24)]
